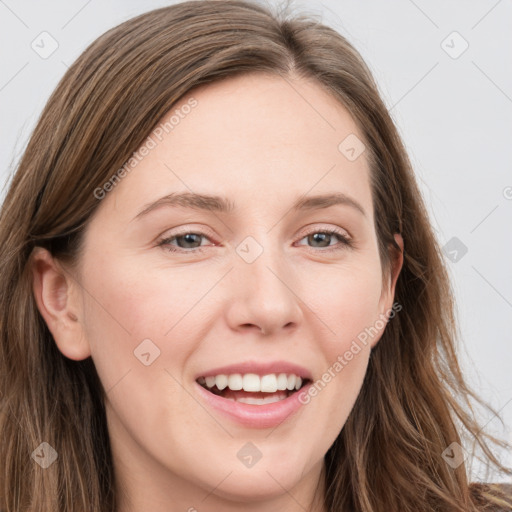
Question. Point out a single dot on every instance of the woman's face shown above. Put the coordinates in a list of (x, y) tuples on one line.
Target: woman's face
[(245, 289)]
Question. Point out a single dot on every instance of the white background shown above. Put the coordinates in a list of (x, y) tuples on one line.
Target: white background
[(454, 114)]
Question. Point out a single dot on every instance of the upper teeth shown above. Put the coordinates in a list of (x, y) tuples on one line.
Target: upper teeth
[(251, 382)]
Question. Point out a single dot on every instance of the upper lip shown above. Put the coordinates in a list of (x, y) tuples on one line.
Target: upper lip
[(259, 368)]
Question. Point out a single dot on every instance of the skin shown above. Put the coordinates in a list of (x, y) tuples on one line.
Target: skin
[(296, 302)]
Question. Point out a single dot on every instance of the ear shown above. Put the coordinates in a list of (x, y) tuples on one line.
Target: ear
[(57, 295), (388, 290)]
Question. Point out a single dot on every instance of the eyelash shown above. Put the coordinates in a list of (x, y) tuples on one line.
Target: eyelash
[(344, 241)]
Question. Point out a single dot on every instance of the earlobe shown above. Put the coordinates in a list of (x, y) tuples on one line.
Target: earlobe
[(55, 293)]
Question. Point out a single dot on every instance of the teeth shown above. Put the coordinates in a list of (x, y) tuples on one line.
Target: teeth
[(235, 382), (277, 397), (221, 381), (251, 382), (269, 383), (282, 381)]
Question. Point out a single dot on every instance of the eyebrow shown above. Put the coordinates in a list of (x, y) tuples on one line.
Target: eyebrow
[(223, 205)]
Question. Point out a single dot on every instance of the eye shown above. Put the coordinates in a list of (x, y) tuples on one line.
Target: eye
[(324, 239), (185, 242), (190, 242)]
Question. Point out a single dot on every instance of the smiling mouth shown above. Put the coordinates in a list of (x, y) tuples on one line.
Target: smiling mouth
[(253, 389)]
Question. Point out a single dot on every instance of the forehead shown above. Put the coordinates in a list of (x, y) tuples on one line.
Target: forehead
[(254, 137), (255, 111)]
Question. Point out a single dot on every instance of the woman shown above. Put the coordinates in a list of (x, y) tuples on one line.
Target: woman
[(221, 290)]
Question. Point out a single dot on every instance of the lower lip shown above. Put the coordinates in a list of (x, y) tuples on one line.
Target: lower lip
[(254, 416)]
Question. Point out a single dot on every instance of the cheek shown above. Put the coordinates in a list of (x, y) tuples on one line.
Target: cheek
[(345, 302), (133, 318), (345, 299), (137, 327), (136, 302)]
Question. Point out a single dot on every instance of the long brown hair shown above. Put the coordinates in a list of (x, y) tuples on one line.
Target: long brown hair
[(414, 402)]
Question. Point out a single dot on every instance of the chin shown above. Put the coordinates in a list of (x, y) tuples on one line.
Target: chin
[(255, 485)]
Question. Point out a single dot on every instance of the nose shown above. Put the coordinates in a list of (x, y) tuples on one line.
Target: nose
[(263, 294)]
